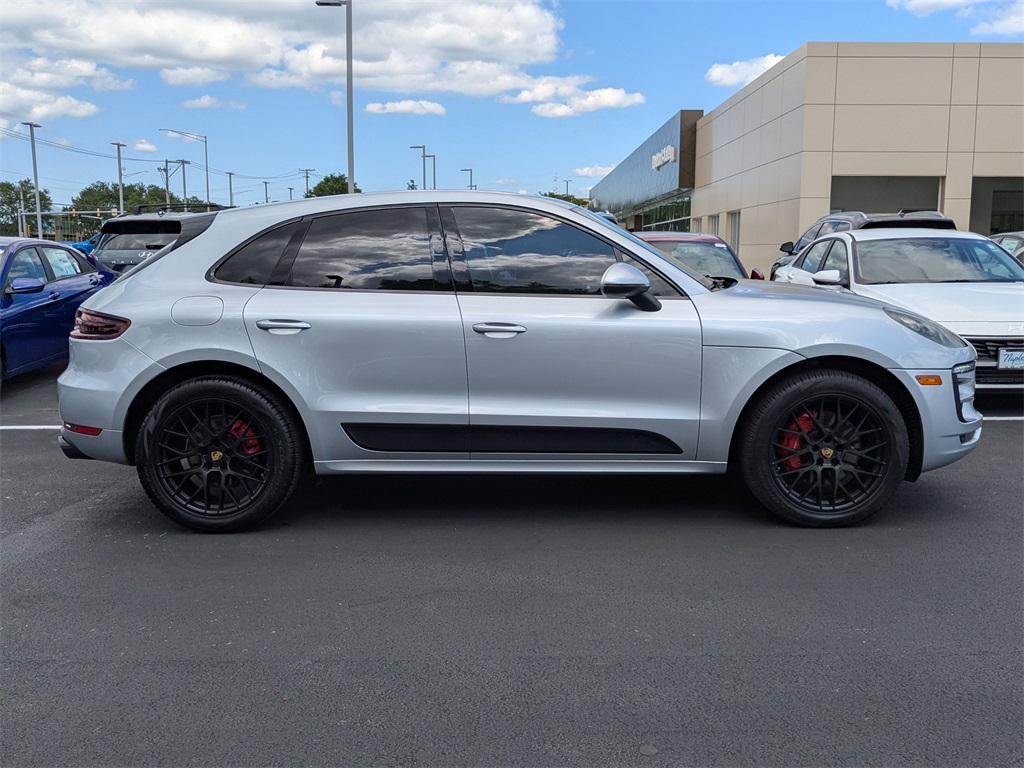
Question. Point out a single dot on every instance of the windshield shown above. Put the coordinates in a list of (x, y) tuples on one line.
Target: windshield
[(709, 259), (934, 260)]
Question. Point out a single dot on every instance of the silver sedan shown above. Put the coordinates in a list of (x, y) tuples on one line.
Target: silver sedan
[(482, 332)]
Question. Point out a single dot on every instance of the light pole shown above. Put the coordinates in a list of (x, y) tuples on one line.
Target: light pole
[(471, 184), (567, 186), (266, 191), (120, 178), (423, 148), (290, 192), (231, 189), (35, 176), (348, 86), (206, 156), (433, 170)]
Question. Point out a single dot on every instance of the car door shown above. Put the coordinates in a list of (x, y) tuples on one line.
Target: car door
[(558, 372), (801, 271), (35, 331), (74, 279), (365, 331)]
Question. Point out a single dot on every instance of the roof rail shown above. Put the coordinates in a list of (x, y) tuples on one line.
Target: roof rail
[(182, 207)]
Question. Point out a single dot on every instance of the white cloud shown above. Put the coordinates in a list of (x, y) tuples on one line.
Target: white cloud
[(928, 7), (144, 146), (740, 72), (32, 105), (506, 182), (203, 102), (48, 74), (1008, 21), (192, 75), (477, 48), (593, 171), (989, 17), (408, 106), (590, 101)]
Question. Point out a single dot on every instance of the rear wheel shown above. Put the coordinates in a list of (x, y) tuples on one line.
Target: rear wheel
[(824, 449), (218, 454)]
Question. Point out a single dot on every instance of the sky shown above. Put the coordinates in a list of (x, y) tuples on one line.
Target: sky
[(532, 95)]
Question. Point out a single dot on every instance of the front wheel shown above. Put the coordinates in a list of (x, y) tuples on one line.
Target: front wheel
[(824, 449), (218, 454)]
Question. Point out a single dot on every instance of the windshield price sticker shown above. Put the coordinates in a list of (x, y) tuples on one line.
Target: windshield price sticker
[(1011, 358)]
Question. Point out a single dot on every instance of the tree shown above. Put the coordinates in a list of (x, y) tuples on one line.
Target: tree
[(568, 198), (103, 195), (331, 184), (11, 197)]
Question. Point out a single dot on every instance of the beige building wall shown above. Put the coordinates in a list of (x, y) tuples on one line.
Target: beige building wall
[(952, 111)]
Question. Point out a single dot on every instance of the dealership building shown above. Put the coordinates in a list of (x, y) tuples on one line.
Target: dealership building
[(872, 127)]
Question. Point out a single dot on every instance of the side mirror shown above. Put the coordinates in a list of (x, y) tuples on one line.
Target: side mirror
[(787, 247), (756, 274), (25, 285), (828, 277), (624, 281)]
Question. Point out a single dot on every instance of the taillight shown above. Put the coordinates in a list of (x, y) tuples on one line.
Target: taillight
[(95, 325)]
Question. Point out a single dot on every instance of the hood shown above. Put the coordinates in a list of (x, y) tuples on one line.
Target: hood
[(986, 308)]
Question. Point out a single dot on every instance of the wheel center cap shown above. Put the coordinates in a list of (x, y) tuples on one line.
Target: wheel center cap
[(217, 455), (828, 453)]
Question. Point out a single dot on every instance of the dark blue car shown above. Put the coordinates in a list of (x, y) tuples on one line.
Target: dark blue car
[(43, 284)]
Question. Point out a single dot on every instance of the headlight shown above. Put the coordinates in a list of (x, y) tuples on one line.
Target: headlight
[(925, 327)]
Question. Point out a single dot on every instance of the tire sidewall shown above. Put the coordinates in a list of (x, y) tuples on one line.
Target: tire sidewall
[(762, 427), (282, 445)]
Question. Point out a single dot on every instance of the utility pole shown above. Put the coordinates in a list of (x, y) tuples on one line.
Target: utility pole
[(167, 182), (231, 190), (35, 176), (266, 191), (307, 171), (120, 182), (184, 192)]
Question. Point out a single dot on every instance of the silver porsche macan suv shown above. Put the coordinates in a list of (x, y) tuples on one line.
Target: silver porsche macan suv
[(441, 331)]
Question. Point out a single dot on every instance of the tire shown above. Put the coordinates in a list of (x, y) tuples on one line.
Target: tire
[(824, 449), (218, 454)]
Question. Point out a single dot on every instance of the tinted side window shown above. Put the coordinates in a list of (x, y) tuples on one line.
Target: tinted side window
[(385, 250), (254, 262), (838, 258), (511, 251), (660, 287), (807, 236), (62, 263), (814, 256), (26, 263)]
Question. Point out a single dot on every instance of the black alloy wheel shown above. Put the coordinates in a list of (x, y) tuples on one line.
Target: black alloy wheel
[(218, 454), (824, 449)]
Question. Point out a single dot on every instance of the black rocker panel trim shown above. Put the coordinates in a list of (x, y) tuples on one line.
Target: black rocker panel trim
[(452, 438)]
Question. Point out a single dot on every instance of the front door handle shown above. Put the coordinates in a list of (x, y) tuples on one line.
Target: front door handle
[(282, 327), (499, 330)]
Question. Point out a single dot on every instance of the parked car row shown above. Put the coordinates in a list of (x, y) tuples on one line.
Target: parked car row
[(43, 285), (445, 331)]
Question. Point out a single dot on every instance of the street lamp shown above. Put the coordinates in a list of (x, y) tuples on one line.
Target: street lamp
[(206, 156), (120, 178), (471, 184), (433, 170), (35, 176), (348, 85), (424, 150), (567, 186)]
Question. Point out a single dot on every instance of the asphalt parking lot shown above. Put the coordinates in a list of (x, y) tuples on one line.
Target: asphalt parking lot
[(485, 621)]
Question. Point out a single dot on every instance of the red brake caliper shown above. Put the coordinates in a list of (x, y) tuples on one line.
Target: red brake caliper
[(792, 441), (241, 429)]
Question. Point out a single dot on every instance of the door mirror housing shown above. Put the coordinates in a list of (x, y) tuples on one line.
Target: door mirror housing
[(787, 247), (624, 281), (25, 285), (828, 277)]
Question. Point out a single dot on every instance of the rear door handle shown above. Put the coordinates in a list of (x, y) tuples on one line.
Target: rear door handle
[(282, 327), (499, 330)]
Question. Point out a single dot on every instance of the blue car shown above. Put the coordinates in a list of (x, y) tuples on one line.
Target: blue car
[(43, 284)]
